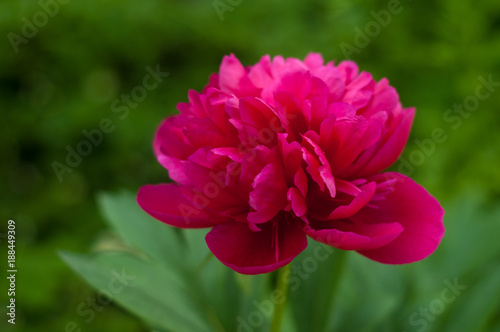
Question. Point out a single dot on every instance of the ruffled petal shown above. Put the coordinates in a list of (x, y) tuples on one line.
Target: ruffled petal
[(250, 252)]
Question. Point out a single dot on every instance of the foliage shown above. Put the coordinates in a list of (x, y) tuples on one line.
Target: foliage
[(65, 79)]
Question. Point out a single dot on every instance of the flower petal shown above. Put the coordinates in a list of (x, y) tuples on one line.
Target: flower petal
[(233, 78), (357, 203), (383, 154), (416, 210), (346, 235), (169, 204), (249, 252), (269, 195)]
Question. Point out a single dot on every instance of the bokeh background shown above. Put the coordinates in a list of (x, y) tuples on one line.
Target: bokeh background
[(63, 78)]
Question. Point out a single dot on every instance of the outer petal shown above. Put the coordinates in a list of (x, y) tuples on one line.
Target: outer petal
[(168, 203), (416, 210), (249, 252)]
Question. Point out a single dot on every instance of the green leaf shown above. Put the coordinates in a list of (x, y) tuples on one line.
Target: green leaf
[(161, 298), (476, 305), (138, 229)]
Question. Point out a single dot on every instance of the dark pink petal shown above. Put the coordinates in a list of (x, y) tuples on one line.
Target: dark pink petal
[(331, 76), (324, 170), (196, 106), (213, 82), (170, 139), (259, 121), (291, 155), (252, 164), (298, 202), (341, 110), (175, 169), (236, 154), (249, 252), (346, 235), (318, 95), (269, 195), (348, 70), (291, 114), (211, 186), (314, 60), (233, 78), (358, 202), (296, 82), (168, 203), (385, 98), (215, 104), (388, 149), (345, 139), (261, 74), (233, 108), (416, 210), (300, 181), (312, 168), (202, 132)]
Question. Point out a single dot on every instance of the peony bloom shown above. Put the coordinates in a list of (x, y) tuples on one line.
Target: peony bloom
[(271, 154)]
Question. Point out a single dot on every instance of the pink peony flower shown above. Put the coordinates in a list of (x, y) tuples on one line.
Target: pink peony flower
[(269, 154)]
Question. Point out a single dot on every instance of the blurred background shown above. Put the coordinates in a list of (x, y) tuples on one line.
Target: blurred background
[(67, 65)]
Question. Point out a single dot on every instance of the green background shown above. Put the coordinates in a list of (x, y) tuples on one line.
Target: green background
[(64, 79)]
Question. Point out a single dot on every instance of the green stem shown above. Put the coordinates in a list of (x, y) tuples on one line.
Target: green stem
[(282, 289)]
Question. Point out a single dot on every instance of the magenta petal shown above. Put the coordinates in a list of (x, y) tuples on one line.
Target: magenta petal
[(380, 156), (170, 139), (269, 195), (324, 170), (298, 202), (291, 114), (416, 210), (249, 252), (318, 95), (233, 78), (261, 74), (175, 169), (314, 60), (358, 202), (168, 203), (349, 236), (348, 70)]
